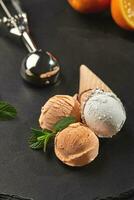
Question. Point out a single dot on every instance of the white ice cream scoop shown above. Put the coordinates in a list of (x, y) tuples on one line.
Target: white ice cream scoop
[(104, 113)]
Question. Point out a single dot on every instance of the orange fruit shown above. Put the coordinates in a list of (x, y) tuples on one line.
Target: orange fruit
[(123, 13), (89, 6)]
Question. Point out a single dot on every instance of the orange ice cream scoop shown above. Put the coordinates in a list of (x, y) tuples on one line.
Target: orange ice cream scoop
[(56, 108), (76, 145)]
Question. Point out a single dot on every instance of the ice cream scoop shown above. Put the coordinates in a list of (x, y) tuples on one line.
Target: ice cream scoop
[(76, 145), (39, 67), (56, 108), (103, 112)]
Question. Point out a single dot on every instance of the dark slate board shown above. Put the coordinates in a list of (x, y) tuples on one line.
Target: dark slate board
[(93, 40)]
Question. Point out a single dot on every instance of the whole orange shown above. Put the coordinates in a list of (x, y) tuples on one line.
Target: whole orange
[(89, 6)]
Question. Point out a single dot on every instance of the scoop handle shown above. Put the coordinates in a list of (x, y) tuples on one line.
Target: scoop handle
[(17, 6), (28, 42)]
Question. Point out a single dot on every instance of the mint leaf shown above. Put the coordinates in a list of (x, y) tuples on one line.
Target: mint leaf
[(37, 145), (47, 139), (34, 143), (39, 138), (40, 130), (63, 123), (7, 111)]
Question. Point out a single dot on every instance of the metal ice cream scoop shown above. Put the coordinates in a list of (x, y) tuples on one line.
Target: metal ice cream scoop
[(38, 67)]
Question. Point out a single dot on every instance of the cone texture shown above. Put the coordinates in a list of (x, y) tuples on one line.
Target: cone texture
[(89, 80)]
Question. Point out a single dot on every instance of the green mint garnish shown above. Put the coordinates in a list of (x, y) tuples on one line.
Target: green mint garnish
[(40, 138), (7, 111)]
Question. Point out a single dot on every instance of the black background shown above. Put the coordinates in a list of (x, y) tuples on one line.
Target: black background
[(75, 39)]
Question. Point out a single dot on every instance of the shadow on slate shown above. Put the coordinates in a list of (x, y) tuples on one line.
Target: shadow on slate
[(127, 195), (12, 197)]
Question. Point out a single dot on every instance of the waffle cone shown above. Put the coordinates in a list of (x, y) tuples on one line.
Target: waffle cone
[(89, 80)]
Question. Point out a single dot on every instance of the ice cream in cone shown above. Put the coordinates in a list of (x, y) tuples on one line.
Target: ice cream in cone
[(101, 109)]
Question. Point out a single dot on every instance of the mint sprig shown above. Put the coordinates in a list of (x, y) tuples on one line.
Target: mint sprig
[(40, 138), (63, 123), (7, 111)]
